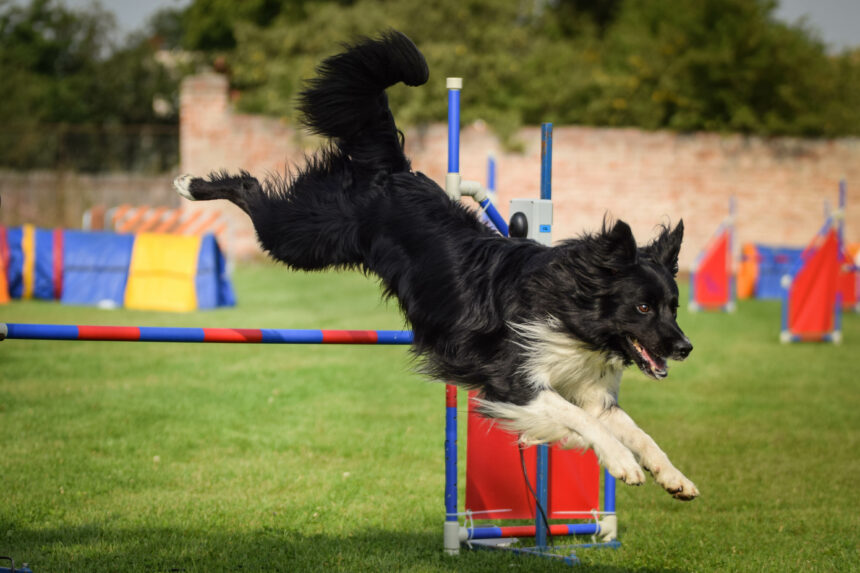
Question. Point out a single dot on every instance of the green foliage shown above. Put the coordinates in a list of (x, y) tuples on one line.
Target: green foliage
[(714, 65), (209, 24), (63, 73), (718, 65), (71, 89)]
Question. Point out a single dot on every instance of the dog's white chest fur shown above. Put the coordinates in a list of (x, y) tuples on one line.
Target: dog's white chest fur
[(587, 378)]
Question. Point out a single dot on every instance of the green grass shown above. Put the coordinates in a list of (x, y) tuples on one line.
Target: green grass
[(160, 457)]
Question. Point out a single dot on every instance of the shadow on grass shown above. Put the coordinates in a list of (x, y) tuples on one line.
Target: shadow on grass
[(96, 548)]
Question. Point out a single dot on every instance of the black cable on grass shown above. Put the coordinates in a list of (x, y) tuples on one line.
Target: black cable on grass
[(534, 495)]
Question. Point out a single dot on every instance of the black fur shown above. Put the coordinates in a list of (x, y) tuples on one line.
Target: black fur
[(358, 204)]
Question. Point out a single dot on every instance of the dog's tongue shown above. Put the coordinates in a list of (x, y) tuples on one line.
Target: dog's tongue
[(657, 365)]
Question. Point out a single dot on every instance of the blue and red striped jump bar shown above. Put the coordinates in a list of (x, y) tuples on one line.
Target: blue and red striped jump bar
[(178, 334)]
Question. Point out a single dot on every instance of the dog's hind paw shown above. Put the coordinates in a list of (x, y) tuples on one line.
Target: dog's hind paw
[(183, 186)]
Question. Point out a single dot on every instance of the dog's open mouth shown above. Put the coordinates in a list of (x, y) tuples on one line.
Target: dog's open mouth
[(651, 364)]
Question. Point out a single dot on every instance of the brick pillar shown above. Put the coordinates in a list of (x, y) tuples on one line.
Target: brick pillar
[(205, 130)]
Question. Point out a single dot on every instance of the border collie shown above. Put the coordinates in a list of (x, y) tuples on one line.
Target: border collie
[(543, 333)]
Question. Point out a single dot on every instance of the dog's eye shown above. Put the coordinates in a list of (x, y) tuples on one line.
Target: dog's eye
[(643, 308)]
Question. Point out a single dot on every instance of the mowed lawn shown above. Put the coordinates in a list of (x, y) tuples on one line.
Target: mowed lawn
[(201, 457)]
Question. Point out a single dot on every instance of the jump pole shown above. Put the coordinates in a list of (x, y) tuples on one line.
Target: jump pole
[(455, 187), (835, 336), (20, 331), (453, 533), (728, 227), (451, 530), (542, 486), (733, 280)]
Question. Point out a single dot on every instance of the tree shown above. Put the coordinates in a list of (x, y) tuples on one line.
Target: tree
[(62, 69), (714, 65)]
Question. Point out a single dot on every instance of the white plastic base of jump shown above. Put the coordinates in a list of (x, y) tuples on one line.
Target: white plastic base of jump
[(729, 307), (451, 537), (786, 337), (452, 186), (608, 528)]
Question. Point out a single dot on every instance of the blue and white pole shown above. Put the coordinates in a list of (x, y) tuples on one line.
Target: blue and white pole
[(452, 179), (455, 187), (542, 473)]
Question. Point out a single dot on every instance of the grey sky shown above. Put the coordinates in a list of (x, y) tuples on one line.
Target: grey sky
[(132, 14), (837, 21)]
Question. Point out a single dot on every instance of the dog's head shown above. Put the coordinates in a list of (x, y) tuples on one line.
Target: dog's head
[(623, 299)]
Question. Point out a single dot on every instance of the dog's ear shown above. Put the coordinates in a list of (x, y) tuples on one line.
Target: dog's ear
[(665, 248), (620, 242)]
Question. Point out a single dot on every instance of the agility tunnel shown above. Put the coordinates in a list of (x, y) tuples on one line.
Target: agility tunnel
[(146, 271), (812, 301), (712, 283)]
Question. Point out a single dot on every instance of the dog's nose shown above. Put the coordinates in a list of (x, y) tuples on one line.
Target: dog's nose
[(682, 348)]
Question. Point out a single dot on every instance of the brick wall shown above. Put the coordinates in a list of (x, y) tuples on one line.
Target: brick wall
[(645, 178), (59, 199)]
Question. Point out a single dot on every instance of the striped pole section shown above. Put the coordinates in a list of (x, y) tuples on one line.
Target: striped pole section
[(451, 532), (496, 532), (179, 334)]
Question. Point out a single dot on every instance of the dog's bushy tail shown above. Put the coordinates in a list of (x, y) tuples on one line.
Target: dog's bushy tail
[(347, 103), (323, 215)]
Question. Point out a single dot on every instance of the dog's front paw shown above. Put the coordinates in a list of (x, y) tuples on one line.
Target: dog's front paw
[(182, 184), (624, 467), (676, 484)]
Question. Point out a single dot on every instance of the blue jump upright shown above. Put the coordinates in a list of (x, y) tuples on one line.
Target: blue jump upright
[(455, 187), (454, 534)]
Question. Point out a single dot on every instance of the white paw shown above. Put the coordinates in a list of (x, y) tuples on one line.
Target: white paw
[(676, 484), (624, 467), (183, 184)]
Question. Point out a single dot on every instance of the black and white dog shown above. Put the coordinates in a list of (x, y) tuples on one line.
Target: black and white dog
[(543, 332)]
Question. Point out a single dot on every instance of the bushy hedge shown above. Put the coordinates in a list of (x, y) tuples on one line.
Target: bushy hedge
[(713, 65)]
